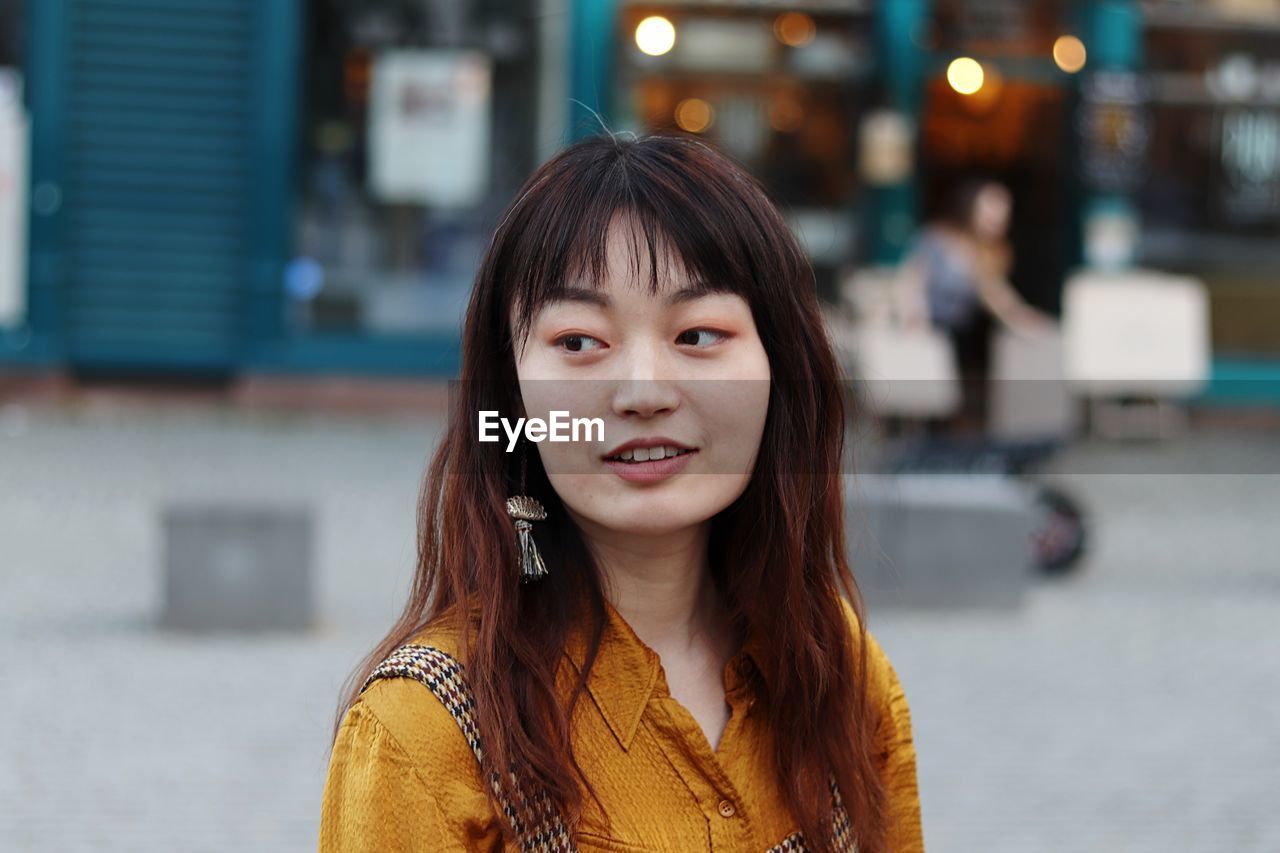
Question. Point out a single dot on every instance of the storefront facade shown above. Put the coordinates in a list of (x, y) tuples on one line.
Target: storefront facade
[(159, 181), (221, 186), (225, 186)]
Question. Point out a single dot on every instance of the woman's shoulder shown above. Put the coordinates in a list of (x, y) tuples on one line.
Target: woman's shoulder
[(881, 677), (402, 773), (421, 719)]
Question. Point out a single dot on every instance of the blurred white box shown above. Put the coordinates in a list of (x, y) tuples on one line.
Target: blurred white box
[(904, 373), (1135, 332), (1029, 398), (870, 294)]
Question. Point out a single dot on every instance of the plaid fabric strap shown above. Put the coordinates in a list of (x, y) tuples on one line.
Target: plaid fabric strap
[(841, 829), (444, 677)]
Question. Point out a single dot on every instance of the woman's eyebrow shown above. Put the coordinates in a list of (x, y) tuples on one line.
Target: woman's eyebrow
[(687, 293)]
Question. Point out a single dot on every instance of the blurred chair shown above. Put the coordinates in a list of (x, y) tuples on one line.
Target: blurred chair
[(1135, 334)]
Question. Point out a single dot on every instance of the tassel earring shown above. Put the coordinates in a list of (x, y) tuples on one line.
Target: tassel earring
[(525, 510)]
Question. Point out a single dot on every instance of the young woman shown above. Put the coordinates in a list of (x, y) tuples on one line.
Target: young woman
[(955, 279), (671, 655), (960, 265)]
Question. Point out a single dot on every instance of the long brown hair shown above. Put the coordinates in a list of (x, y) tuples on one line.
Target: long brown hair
[(777, 554)]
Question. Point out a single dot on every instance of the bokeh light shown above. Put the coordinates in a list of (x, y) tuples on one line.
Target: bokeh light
[(785, 114), (655, 35), (1069, 53), (794, 29), (694, 115), (965, 75)]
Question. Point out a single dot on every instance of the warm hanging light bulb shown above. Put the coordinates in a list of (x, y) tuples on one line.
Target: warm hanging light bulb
[(655, 35), (794, 29), (965, 75), (1069, 54), (694, 115)]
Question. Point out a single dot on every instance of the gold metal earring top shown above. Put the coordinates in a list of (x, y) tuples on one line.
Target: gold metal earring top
[(525, 508)]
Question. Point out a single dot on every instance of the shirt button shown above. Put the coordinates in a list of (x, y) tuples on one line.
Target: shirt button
[(727, 809)]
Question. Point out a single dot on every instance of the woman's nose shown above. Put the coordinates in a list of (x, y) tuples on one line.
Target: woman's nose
[(645, 398), (646, 387)]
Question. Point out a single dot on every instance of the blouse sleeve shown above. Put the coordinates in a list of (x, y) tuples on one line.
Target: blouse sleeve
[(375, 799), (897, 755)]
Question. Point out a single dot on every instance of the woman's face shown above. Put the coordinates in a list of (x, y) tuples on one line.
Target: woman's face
[(991, 209), (678, 372)]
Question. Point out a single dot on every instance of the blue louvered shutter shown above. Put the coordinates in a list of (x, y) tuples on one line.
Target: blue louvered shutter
[(158, 182)]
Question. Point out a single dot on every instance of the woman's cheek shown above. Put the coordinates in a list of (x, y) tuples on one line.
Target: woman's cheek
[(733, 412)]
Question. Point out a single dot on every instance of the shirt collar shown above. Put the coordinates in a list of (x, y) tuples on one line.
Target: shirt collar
[(625, 673)]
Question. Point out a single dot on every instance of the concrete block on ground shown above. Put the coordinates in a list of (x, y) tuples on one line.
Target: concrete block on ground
[(940, 540), (229, 567)]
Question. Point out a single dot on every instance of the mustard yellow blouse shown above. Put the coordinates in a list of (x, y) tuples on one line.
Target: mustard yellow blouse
[(402, 777)]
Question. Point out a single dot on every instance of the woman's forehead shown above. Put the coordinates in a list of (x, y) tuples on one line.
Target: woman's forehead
[(635, 254), (614, 259), (629, 263)]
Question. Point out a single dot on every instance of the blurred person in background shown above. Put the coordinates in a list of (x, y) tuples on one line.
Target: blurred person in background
[(678, 661), (954, 278)]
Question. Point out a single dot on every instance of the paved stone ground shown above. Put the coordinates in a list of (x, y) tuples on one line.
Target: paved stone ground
[(1133, 706)]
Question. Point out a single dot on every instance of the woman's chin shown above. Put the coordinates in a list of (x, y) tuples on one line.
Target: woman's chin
[(653, 509), (654, 516)]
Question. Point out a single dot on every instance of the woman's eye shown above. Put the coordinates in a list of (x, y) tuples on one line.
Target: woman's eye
[(579, 343), (700, 337)]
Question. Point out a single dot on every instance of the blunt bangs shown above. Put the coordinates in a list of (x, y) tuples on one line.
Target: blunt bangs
[(691, 213)]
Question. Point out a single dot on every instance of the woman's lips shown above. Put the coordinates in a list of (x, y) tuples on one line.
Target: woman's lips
[(653, 471)]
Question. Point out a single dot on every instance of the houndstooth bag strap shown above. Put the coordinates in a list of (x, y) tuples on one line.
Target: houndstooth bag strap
[(443, 675), (841, 829)]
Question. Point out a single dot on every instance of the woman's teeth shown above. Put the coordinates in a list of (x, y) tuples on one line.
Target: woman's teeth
[(649, 454)]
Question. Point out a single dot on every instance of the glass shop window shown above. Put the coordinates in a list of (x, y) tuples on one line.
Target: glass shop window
[(417, 127), (780, 88)]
